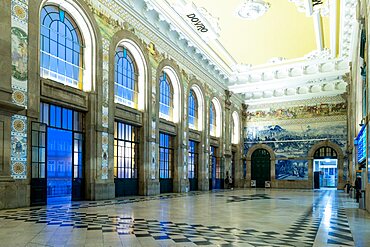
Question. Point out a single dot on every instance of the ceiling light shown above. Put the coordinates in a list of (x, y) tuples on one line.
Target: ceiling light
[(252, 9)]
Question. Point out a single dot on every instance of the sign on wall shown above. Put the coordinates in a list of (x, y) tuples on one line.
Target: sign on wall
[(361, 144)]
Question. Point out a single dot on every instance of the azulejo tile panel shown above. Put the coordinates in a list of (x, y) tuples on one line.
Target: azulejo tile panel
[(104, 172), (19, 52), (19, 35), (19, 147), (105, 109)]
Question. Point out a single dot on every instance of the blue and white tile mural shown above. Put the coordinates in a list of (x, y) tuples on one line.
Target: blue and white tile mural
[(294, 140), (293, 137), (291, 169)]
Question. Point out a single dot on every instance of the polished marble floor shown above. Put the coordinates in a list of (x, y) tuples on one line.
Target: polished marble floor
[(251, 217)]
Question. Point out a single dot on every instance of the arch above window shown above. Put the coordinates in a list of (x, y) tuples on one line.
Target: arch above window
[(125, 78), (171, 99), (132, 54), (67, 45), (165, 97), (215, 126), (235, 127), (193, 110)]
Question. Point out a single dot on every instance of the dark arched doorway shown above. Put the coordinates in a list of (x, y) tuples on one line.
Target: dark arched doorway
[(325, 167), (261, 167)]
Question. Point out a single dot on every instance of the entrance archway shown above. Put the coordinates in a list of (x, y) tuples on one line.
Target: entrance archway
[(325, 168), (328, 150), (261, 167)]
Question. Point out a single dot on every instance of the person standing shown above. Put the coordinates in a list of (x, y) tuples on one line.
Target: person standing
[(358, 188)]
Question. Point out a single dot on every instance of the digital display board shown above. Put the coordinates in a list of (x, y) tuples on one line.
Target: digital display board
[(361, 145)]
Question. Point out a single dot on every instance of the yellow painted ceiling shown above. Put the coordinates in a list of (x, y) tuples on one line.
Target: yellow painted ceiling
[(282, 32)]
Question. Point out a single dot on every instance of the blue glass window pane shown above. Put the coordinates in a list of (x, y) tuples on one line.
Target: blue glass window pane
[(58, 114), (57, 31), (61, 15), (125, 75), (69, 55), (166, 94), (53, 48), (53, 66), (52, 115), (69, 70)]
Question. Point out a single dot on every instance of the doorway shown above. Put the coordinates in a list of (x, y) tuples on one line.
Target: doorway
[(193, 165), (126, 159), (57, 156), (166, 162), (261, 167), (326, 167), (59, 169), (215, 170), (233, 164)]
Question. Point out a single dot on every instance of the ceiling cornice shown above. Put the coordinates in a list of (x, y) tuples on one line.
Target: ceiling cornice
[(303, 77), (283, 75), (194, 40), (153, 28)]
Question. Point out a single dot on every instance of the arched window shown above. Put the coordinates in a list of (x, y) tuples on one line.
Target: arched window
[(125, 78), (212, 120), (165, 97), (325, 153), (61, 47), (193, 109)]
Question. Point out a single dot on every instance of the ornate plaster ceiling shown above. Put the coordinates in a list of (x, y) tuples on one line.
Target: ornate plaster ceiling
[(282, 31), (293, 51)]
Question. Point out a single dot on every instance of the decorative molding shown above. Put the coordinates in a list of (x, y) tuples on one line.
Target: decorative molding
[(152, 24), (324, 54), (285, 79), (252, 9), (213, 21), (311, 6), (347, 28), (292, 103), (276, 60)]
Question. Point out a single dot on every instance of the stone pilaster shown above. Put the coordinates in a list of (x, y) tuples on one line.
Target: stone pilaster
[(226, 148)]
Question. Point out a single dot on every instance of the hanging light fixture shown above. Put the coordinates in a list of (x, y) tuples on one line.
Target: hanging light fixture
[(252, 9)]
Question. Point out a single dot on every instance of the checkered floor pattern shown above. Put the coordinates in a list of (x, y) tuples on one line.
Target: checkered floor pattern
[(301, 233), (339, 231), (177, 232)]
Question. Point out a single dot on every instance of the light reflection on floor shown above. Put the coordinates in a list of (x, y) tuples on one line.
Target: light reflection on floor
[(225, 218)]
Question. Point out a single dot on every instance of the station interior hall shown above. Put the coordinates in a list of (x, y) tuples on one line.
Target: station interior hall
[(184, 123)]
